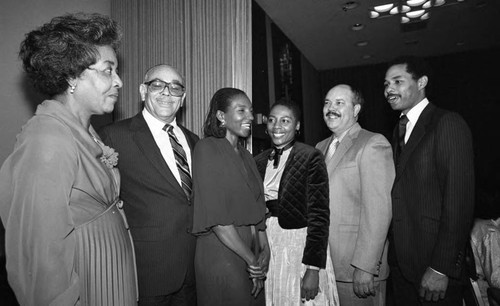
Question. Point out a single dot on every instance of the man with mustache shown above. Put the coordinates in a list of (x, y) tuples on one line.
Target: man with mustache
[(361, 173), (155, 167), (433, 192)]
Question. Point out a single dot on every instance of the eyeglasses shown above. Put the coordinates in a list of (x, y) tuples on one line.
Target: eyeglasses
[(158, 86)]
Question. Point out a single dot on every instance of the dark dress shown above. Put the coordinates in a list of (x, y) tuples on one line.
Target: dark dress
[(228, 190)]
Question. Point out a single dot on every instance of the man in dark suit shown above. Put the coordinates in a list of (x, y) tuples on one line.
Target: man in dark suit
[(156, 191), (433, 192)]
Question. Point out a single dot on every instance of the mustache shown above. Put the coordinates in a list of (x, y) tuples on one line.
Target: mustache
[(333, 113)]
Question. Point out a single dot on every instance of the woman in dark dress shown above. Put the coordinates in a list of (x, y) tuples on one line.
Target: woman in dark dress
[(232, 252), (67, 240)]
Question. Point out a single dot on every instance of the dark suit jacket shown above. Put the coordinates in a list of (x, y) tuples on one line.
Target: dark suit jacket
[(303, 198), (158, 212), (433, 196)]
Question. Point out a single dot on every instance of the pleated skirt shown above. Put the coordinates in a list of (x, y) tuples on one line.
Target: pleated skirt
[(105, 261)]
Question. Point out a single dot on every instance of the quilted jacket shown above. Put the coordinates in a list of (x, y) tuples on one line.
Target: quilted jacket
[(303, 198)]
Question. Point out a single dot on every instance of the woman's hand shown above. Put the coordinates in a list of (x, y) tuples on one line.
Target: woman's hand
[(264, 257), (310, 285), (258, 285), (256, 271)]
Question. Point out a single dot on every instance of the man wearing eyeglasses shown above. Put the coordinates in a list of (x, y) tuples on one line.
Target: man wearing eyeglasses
[(155, 167)]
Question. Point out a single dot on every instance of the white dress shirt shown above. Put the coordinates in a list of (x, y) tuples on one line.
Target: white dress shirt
[(163, 142), (413, 115)]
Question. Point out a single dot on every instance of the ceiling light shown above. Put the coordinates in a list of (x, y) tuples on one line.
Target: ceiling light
[(410, 10), (349, 5), (415, 2), (439, 2), (362, 43), (415, 14), (383, 8), (357, 26), (367, 56)]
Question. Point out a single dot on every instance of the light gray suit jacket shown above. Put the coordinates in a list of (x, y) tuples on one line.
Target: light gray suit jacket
[(361, 174)]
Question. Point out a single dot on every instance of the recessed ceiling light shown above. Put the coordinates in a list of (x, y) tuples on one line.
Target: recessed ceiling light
[(367, 56), (362, 43), (439, 2), (415, 14), (349, 5), (415, 2), (357, 26), (383, 8)]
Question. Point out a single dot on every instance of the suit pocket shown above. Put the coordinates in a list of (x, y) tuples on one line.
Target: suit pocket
[(348, 228)]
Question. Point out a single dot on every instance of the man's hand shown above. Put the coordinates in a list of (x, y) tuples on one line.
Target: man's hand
[(433, 286), (363, 283), (310, 285)]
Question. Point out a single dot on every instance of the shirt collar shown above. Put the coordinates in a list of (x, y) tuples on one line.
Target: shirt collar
[(154, 123), (416, 110)]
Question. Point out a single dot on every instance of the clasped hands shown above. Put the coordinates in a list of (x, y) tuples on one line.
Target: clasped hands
[(258, 272)]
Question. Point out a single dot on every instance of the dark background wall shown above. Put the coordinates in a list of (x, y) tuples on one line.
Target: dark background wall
[(463, 82)]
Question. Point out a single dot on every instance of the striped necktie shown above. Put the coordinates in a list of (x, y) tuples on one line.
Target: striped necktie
[(180, 160), (331, 149)]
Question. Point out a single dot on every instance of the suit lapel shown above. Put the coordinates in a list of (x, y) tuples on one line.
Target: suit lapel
[(343, 147), (145, 142), (416, 136)]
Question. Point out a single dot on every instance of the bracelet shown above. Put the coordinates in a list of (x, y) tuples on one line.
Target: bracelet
[(312, 268)]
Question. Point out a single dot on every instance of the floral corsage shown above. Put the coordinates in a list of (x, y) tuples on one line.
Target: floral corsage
[(109, 156)]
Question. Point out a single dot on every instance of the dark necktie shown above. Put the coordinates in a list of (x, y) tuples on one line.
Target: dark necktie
[(276, 154), (403, 120), (180, 160)]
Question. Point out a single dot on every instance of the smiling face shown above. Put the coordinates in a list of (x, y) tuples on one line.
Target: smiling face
[(339, 111), (282, 125), (161, 104), (237, 118), (97, 87), (402, 91)]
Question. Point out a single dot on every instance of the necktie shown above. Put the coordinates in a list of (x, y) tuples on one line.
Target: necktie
[(403, 120), (180, 160), (276, 154), (332, 148)]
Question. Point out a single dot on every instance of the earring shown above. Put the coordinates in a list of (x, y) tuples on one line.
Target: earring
[(297, 132), (266, 132), (223, 124), (72, 89)]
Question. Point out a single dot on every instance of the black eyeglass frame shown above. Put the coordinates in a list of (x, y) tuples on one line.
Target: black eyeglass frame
[(167, 85)]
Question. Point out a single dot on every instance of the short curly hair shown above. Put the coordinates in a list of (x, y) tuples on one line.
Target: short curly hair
[(291, 105), (220, 101), (64, 47)]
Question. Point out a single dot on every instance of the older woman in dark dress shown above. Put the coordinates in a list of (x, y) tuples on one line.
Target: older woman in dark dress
[(232, 251), (67, 240)]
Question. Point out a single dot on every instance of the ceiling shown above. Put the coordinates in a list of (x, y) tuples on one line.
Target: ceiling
[(322, 30)]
